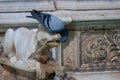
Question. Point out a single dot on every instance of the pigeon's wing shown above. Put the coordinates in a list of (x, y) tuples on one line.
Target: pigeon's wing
[(46, 22), (55, 24)]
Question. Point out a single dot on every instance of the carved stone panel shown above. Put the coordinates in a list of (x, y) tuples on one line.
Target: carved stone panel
[(100, 50), (70, 50)]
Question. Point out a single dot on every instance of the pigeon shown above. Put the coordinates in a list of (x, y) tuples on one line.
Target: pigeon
[(52, 23)]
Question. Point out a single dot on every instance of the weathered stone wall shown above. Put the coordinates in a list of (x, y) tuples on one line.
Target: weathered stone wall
[(88, 51)]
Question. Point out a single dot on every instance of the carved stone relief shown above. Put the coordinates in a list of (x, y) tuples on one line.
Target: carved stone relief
[(70, 50), (100, 50)]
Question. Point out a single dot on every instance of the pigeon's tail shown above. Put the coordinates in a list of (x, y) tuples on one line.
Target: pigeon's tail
[(37, 15)]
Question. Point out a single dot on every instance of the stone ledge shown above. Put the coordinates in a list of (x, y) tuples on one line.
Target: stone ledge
[(97, 76), (95, 15), (87, 5), (22, 6)]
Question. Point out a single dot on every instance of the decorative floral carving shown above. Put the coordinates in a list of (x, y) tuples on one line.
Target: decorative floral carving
[(114, 48), (100, 48)]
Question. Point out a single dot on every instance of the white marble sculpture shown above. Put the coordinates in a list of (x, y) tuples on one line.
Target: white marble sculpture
[(21, 43)]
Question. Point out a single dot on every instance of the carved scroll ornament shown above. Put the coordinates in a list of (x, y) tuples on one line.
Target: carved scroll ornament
[(100, 49)]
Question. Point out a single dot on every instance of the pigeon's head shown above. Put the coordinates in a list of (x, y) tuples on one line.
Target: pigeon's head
[(64, 36)]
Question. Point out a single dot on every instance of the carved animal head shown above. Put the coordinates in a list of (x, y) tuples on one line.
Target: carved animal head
[(46, 41), (46, 38)]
